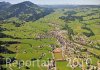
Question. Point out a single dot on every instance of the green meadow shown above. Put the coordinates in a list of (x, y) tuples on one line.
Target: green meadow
[(33, 40)]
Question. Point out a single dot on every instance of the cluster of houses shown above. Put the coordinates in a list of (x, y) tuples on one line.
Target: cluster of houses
[(69, 48), (51, 65), (81, 39)]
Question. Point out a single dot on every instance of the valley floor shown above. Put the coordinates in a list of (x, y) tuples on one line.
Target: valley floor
[(50, 45)]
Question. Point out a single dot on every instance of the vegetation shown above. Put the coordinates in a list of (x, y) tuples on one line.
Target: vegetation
[(34, 35), (26, 11)]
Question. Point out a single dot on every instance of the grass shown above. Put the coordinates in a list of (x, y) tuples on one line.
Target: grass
[(31, 30), (62, 65), (58, 56)]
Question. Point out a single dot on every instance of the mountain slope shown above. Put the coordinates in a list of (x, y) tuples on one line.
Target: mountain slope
[(4, 5), (25, 11)]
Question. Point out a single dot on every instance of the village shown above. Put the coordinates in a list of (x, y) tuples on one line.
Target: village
[(69, 51)]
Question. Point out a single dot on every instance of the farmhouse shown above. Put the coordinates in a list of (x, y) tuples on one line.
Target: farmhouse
[(57, 50)]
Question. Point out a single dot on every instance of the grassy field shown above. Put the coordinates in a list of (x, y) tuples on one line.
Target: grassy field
[(34, 39)]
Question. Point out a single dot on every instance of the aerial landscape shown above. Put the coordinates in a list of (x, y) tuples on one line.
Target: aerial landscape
[(44, 35)]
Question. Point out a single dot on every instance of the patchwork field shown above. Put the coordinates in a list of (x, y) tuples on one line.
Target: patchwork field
[(78, 33)]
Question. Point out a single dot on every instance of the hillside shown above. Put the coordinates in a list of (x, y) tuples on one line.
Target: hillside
[(66, 39), (4, 5), (24, 11)]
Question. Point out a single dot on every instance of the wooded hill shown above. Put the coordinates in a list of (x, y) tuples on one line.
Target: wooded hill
[(26, 11)]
